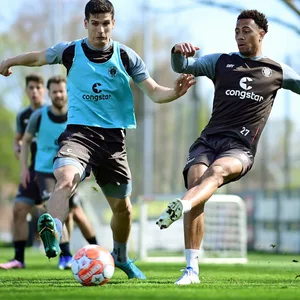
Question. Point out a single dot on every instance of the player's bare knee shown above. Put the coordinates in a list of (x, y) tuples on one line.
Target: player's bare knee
[(67, 176), (64, 183), (219, 173), (122, 210), (67, 183), (126, 213), (20, 211)]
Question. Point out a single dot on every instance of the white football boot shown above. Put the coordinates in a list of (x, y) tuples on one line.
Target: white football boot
[(189, 277), (173, 212)]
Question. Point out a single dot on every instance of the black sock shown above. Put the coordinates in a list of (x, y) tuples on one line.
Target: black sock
[(20, 250), (120, 251), (65, 249), (92, 240)]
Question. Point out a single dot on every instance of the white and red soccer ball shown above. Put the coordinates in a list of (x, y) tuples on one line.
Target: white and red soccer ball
[(93, 265)]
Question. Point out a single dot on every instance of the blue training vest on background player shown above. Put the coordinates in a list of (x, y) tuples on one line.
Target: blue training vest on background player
[(99, 94), (47, 144)]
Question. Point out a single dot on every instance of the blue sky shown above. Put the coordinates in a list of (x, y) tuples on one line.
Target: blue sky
[(212, 29)]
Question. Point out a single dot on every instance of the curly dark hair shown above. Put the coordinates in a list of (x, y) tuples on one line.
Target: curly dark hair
[(258, 17)]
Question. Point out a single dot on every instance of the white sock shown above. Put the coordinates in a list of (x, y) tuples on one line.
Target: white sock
[(191, 256), (58, 226), (186, 205)]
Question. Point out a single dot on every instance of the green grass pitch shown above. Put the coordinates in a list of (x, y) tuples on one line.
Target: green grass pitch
[(266, 276)]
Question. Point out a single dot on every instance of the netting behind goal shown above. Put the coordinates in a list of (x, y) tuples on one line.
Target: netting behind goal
[(225, 238)]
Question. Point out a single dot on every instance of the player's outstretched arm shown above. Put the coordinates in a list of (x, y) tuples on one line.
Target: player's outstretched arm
[(29, 59), (161, 94), (291, 79), (182, 58)]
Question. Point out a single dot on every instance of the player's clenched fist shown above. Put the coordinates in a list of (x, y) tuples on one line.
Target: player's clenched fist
[(5, 70), (186, 49)]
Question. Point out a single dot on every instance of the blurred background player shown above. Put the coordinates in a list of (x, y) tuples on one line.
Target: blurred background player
[(46, 124), (27, 197)]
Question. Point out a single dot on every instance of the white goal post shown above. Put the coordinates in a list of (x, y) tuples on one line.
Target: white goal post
[(225, 238)]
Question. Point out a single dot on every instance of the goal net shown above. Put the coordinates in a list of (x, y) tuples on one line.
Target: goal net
[(225, 238)]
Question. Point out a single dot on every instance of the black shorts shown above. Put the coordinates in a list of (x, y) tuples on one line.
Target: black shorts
[(46, 183), (31, 193), (100, 150), (208, 148)]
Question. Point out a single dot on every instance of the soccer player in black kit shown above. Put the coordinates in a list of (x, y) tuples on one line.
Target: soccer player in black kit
[(246, 83)]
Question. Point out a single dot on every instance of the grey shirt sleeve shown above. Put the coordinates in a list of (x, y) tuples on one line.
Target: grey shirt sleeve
[(32, 126), (137, 68), (291, 80), (203, 66), (54, 53)]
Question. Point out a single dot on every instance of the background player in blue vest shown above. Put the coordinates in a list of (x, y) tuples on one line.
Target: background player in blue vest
[(246, 83), (100, 110), (27, 197), (46, 125)]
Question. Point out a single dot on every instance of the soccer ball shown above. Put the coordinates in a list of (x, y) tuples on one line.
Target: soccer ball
[(93, 265)]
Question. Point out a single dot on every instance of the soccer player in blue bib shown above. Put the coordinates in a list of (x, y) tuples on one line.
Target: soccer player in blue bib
[(100, 110), (45, 126), (246, 83), (28, 197)]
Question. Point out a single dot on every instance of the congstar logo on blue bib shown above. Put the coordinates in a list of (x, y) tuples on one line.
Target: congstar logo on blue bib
[(96, 94)]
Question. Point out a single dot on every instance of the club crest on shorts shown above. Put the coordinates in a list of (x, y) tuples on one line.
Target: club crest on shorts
[(189, 160)]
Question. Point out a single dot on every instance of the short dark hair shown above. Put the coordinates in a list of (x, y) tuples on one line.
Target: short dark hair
[(34, 77), (94, 7), (258, 17), (55, 79)]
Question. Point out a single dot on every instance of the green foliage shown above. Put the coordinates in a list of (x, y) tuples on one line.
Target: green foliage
[(9, 171)]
